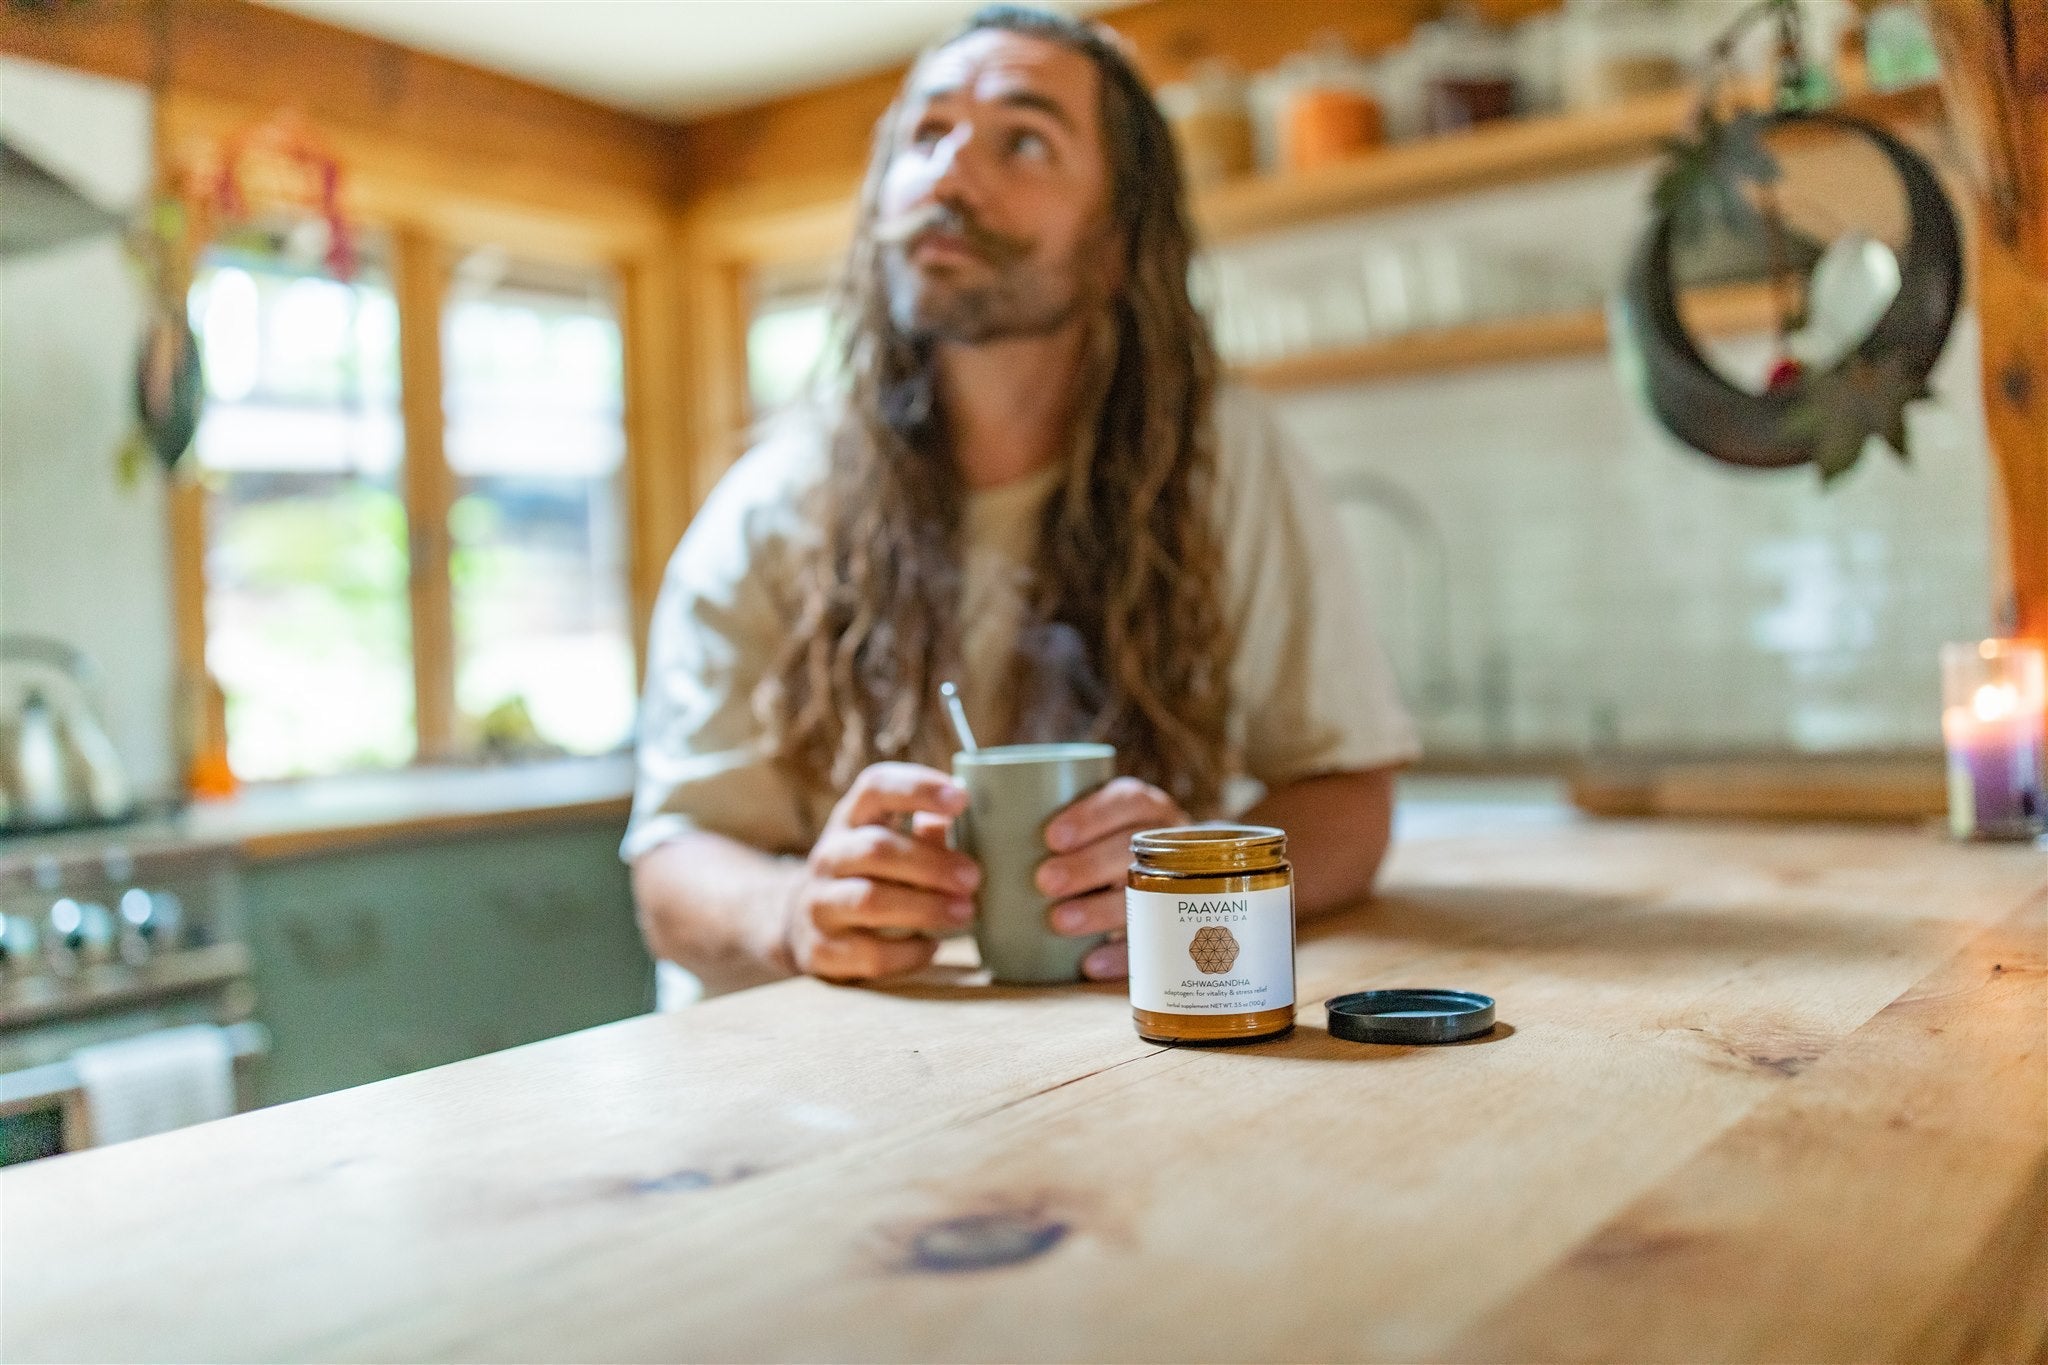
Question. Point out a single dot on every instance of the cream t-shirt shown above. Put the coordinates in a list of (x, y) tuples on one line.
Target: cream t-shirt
[(1311, 690)]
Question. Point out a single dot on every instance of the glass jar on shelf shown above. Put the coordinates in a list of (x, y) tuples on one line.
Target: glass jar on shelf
[(1469, 70), (1538, 46), (1211, 117), (1824, 29), (1616, 50)]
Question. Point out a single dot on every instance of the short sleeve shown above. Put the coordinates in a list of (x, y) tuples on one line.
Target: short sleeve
[(704, 760), (1312, 690)]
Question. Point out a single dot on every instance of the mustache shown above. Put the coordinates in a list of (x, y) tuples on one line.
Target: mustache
[(998, 248)]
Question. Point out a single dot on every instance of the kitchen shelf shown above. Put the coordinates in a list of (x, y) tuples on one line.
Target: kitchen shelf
[(1504, 153), (1730, 310)]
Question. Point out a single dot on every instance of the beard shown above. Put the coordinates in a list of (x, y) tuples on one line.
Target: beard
[(1013, 295), (1018, 298)]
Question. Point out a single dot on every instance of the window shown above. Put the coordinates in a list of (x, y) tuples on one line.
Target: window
[(789, 337), (534, 399), (308, 623), (310, 591), (785, 344)]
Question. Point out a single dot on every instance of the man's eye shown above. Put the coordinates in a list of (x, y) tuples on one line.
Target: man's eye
[(928, 133), (1029, 145)]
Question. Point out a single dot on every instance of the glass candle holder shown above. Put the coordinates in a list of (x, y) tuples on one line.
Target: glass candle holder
[(1994, 694)]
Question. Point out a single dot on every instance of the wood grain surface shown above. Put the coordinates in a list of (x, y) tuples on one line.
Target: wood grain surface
[(1994, 57), (1759, 1092)]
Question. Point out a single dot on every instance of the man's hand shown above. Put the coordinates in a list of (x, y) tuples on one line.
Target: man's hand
[(870, 895), (1091, 847)]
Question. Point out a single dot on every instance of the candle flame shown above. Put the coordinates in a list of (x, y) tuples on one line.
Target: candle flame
[(1995, 701)]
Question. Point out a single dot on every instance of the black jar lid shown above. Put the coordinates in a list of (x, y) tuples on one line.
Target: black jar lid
[(1410, 1016)]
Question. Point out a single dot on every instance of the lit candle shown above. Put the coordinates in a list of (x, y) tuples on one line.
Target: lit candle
[(1994, 693)]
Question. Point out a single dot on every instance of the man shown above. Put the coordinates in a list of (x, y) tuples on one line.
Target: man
[(1031, 485)]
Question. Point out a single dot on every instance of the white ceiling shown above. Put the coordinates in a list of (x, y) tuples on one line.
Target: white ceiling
[(668, 58)]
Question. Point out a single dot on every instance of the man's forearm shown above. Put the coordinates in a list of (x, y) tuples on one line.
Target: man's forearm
[(1337, 830), (718, 907)]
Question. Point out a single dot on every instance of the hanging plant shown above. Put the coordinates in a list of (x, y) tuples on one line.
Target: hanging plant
[(223, 191), (1724, 178)]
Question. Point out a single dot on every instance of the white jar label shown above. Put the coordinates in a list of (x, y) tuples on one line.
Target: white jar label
[(1227, 953)]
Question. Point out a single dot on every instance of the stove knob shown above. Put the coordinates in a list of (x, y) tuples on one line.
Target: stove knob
[(77, 934), (150, 923), (18, 946)]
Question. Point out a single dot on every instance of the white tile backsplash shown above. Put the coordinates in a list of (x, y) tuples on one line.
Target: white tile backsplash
[(1555, 573)]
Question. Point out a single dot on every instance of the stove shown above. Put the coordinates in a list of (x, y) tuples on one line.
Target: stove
[(103, 938)]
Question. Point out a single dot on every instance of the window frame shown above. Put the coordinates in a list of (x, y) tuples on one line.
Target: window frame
[(732, 239), (429, 220)]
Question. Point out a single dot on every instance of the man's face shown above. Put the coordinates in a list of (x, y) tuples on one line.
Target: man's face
[(992, 209)]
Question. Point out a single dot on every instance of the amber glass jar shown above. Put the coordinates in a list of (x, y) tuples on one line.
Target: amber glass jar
[(1209, 911)]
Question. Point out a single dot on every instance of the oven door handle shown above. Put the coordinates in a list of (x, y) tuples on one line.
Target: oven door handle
[(57, 1083)]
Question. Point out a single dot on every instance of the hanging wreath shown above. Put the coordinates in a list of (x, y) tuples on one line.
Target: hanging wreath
[(1724, 178), (221, 192)]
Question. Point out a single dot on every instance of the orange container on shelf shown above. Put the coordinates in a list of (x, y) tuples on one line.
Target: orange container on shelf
[(1330, 124)]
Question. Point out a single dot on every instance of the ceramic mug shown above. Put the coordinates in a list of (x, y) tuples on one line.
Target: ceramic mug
[(1013, 791)]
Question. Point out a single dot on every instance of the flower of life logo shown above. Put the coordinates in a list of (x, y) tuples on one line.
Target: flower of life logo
[(1214, 949)]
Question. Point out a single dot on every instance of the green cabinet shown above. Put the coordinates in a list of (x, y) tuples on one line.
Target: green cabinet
[(373, 962)]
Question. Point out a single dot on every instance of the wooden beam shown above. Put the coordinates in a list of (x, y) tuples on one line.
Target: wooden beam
[(269, 59), (2012, 310), (388, 178), (660, 492), (201, 721), (1995, 70), (717, 310), (420, 275)]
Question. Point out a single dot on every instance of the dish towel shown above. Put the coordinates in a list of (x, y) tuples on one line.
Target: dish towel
[(156, 1081)]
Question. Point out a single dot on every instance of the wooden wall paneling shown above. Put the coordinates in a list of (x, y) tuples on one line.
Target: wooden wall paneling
[(269, 59), (420, 274), (823, 132), (794, 223), (388, 178)]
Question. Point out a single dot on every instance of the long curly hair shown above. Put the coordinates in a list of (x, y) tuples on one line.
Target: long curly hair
[(1126, 623)]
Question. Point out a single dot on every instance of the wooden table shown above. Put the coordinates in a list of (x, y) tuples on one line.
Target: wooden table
[(1759, 1093)]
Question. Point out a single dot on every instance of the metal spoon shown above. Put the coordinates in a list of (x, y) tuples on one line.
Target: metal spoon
[(958, 715)]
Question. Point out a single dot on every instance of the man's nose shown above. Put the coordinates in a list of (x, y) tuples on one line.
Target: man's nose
[(956, 177)]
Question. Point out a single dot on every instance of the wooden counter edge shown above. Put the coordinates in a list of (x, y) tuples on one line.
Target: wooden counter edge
[(280, 845)]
